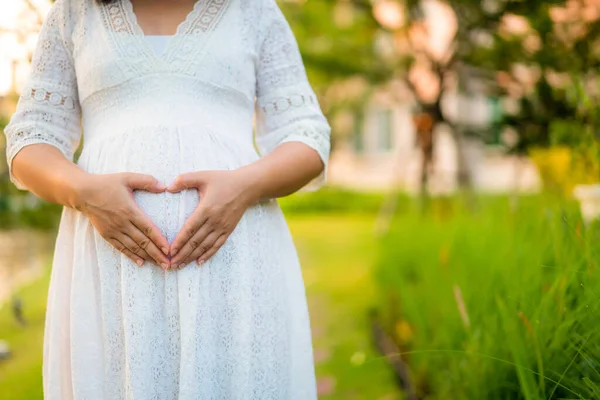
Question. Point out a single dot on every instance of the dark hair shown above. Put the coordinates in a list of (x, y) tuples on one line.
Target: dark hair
[(107, 1)]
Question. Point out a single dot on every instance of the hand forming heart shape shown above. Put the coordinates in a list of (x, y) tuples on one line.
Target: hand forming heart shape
[(107, 200), (224, 197)]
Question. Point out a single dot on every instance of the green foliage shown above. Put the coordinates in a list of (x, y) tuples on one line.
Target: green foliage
[(332, 200), (41, 215), (548, 48), (21, 209), (501, 304), (332, 50), (45, 216)]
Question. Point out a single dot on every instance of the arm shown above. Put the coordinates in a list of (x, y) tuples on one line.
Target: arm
[(47, 116), (287, 111), (43, 134), (292, 136), (45, 171), (291, 167)]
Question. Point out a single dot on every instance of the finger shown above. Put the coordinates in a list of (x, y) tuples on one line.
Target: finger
[(196, 221), (143, 182), (211, 252), (133, 247), (196, 241), (185, 181), (150, 230), (121, 248), (148, 245), (203, 247)]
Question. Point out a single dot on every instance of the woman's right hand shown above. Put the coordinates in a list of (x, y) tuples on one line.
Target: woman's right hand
[(107, 200)]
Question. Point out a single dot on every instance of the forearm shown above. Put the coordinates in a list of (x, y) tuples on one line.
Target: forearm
[(44, 170), (282, 172)]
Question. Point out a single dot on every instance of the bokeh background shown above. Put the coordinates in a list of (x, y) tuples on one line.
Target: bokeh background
[(455, 252)]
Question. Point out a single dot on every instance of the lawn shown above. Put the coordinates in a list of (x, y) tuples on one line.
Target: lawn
[(337, 253), (20, 377)]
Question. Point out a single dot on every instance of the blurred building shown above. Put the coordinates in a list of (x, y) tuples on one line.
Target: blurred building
[(382, 153)]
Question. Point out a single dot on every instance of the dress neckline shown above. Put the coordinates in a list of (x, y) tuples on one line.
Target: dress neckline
[(178, 30), (191, 34)]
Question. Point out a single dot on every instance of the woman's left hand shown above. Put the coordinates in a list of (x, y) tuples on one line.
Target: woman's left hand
[(224, 197)]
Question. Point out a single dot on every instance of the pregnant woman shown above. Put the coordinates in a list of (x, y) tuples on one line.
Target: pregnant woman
[(174, 275)]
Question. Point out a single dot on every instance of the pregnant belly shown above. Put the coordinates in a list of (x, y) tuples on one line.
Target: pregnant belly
[(165, 153)]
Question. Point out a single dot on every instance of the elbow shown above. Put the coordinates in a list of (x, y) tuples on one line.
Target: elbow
[(320, 152), (23, 151), (17, 164), (313, 130)]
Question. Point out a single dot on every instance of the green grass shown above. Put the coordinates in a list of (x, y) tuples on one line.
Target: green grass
[(331, 199), (337, 254), (495, 303), (20, 377)]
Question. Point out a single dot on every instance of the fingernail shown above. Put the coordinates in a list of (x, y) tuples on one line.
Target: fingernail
[(140, 262), (200, 262), (164, 265), (174, 252), (181, 265), (165, 250)]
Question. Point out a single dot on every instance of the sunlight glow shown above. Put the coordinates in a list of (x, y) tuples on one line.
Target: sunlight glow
[(19, 25)]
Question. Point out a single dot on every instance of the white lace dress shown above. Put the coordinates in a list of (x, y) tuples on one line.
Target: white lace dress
[(237, 328)]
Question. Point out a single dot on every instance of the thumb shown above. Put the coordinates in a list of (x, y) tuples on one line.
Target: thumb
[(185, 181), (144, 182)]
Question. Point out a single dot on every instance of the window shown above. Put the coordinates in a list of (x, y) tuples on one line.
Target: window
[(496, 119), (357, 134), (384, 130)]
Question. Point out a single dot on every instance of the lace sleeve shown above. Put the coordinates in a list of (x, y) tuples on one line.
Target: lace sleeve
[(48, 109), (287, 108)]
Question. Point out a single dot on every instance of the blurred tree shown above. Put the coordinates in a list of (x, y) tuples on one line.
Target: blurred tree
[(546, 55)]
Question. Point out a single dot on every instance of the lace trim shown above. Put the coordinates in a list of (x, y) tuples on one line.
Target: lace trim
[(30, 135), (319, 140), (208, 17), (182, 49), (316, 137), (118, 18), (54, 98), (188, 53), (285, 103)]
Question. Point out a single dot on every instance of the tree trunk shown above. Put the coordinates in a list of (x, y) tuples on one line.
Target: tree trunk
[(464, 178), (463, 172), (425, 123)]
